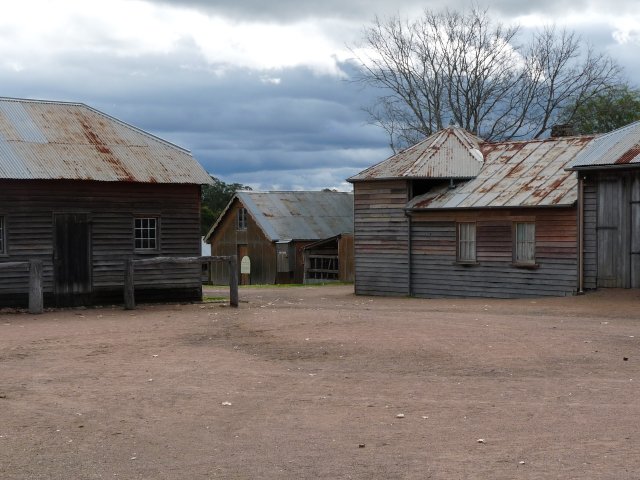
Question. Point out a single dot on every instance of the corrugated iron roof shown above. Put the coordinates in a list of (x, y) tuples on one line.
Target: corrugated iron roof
[(614, 149), (515, 174), (449, 153), (57, 140), (285, 216)]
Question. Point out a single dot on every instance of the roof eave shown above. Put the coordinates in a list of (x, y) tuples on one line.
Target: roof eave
[(495, 207), (615, 166)]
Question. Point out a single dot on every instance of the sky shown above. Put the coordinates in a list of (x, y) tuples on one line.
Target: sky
[(261, 92)]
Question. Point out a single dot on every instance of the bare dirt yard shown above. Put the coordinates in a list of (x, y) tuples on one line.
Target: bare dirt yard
[(310, 383)]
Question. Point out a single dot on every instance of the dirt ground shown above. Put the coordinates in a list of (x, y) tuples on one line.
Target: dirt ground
[(314, 382)]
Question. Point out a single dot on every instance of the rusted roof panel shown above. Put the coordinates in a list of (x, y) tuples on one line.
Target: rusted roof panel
[(56, 140), (618, 148), (449, 153), (515, 174), (287, 216)]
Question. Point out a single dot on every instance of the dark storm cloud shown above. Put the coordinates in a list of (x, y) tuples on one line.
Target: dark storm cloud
[(289, 128), (282, 128)]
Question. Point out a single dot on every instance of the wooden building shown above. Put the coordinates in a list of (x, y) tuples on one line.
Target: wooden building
[(609, 188), (82, 191), (454, 216), (269, 230), (329, 260)]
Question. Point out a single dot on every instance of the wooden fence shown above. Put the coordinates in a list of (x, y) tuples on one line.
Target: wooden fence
[(34, 267), (129, 274), (35, 282)]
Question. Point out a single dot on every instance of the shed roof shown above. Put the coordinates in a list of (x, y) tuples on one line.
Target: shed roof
[(619, 148), (285, 216), (449, 153), (514, 174), (43, 140)]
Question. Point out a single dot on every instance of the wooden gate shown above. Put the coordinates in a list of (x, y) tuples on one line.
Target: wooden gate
[(72, 259)]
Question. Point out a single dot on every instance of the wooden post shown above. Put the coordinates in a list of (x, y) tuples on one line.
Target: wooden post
[(233, 280), (35, 286), (129, 286)]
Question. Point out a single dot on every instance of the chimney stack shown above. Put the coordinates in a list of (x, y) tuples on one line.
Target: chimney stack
[(562, 130)]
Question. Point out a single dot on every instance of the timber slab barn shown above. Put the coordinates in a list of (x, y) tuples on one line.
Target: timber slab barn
[(81, 192)]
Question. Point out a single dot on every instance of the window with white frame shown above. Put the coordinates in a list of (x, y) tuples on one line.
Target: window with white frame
[(525, 243), (145, 230), (3, 236), (242, 219), (466, 236)]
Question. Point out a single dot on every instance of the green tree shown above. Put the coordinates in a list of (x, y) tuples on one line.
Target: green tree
[(606, 111), (214, 199)]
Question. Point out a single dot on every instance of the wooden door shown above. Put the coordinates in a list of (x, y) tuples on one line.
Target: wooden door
[(610, 230), (72, 258)]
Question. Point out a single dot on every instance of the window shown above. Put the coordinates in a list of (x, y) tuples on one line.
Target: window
[(145, 231), (3, 243), (525, 243), (466, 242), (242, 219)]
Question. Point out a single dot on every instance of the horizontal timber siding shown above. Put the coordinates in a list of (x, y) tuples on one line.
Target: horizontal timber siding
[(381, 238), (435, 273), (29, 206)]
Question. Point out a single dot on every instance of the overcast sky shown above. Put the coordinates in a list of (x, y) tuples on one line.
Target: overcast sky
[(258, 90)]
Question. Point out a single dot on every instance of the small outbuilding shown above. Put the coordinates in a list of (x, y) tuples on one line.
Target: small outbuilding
[(329, 260), (268, 231), (82, 191), (609, 187)]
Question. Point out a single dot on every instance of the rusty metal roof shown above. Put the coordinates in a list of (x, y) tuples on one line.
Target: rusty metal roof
[(285, 216), (449, 153), (57, 140), (619, 148), (514, 174)]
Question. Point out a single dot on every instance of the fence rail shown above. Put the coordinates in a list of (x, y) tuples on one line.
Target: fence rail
[(129, 274), (34, 267)]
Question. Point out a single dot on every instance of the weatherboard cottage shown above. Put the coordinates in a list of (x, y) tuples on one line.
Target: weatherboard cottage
[(82, 191), (455, 216)]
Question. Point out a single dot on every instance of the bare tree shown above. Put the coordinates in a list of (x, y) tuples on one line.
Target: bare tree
[(450, 67)]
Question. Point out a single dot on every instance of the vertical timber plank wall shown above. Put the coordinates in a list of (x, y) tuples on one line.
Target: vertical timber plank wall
[(29, 206), (261, 250), (345, 258), (435, 272), (590, 236), (381, 238)]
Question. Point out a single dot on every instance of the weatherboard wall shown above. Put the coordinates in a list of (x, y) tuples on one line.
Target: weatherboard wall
[(435, 272), (28, 207), (381, 238), (252, 242)]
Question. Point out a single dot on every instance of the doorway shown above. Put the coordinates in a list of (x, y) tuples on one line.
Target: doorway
[(72, 259)]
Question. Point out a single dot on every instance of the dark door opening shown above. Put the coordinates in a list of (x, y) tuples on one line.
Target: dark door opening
[(72, 259)]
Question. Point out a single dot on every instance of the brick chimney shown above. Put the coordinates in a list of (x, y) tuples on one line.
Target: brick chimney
[(562, 130)]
